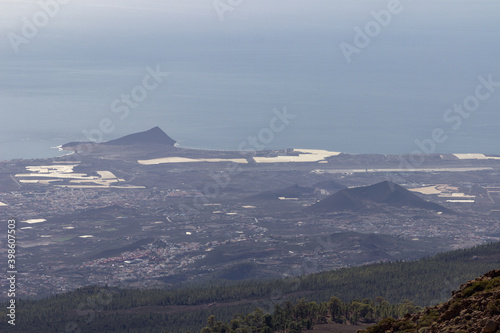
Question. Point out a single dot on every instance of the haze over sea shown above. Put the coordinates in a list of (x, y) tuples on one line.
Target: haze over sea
[(228, 70)]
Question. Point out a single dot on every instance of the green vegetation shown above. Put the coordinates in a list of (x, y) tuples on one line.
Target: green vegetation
[(424, 282), (303, 315), (479, 286)]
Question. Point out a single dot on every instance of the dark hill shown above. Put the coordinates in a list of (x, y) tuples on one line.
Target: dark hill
[(154, 136), (294, 191), (384, 193)]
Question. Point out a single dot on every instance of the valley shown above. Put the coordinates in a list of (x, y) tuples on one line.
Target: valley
[(106, 218)]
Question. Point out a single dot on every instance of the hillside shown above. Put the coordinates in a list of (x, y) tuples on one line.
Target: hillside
[(375, 196), (425, 282), (475, 307)]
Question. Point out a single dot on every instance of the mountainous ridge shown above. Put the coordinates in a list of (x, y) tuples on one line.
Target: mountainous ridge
[(474, 307)]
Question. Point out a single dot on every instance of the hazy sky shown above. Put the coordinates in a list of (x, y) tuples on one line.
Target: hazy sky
[(230, 65)]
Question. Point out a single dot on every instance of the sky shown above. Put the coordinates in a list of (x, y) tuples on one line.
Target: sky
[(230, 63)]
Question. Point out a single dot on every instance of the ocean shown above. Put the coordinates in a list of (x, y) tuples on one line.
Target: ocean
[(338, 110), (407, 89)]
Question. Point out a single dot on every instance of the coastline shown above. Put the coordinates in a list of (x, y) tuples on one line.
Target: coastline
[(27, 150)]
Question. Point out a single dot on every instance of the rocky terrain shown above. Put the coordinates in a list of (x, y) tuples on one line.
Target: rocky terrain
[(474, 308)]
